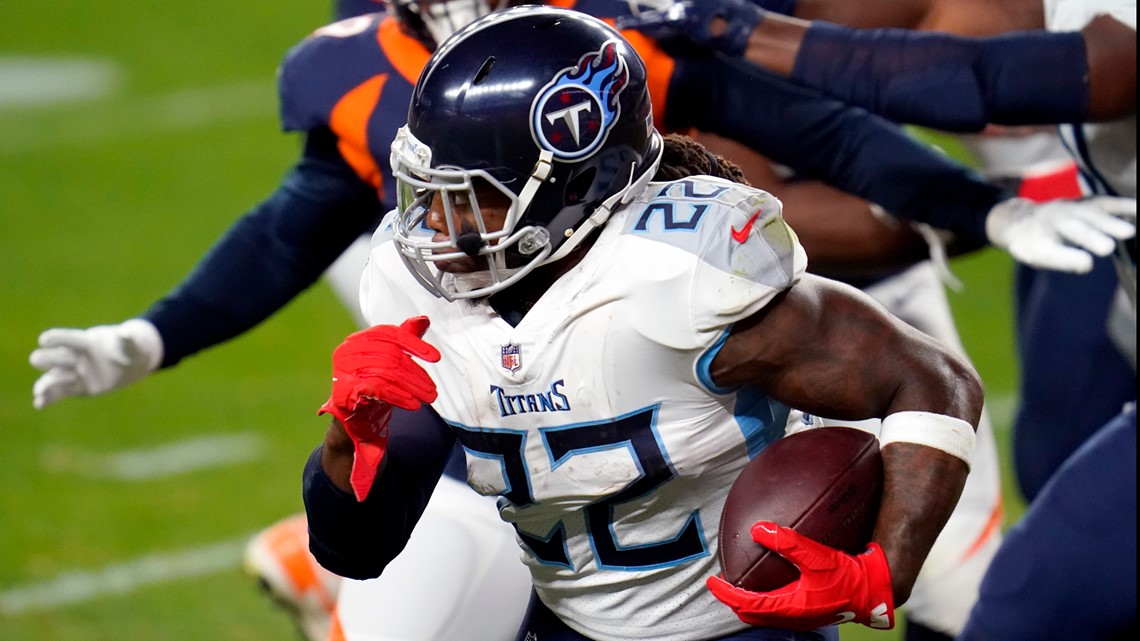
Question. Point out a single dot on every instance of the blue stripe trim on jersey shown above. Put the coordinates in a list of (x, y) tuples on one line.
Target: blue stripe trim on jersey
[(493, 457), (761, 419), (1076, 143), (704, 364)]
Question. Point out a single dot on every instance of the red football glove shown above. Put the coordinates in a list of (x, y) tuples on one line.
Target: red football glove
[(372, 371), (834, 587)]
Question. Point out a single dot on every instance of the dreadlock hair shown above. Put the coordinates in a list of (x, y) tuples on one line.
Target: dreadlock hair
[(683, 157)]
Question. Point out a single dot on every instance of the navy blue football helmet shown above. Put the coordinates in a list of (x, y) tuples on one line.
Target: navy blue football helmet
[(545, 105)]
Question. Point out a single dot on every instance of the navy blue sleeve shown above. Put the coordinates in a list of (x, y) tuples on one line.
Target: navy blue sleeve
[(822, 138), (358, 540), (270, 255), (949, 82)]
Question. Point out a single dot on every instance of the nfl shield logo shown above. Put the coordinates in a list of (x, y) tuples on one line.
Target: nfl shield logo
[(512, 357)]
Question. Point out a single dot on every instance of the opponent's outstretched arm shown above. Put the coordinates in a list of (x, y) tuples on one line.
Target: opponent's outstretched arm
[(1021, 76), (872, 158), (268, 257)]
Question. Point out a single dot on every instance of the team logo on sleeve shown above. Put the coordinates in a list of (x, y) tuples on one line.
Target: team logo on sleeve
[(575, 111), (512, 357)]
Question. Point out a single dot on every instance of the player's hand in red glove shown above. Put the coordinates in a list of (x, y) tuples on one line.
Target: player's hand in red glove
[(834, 587), (373, 371)]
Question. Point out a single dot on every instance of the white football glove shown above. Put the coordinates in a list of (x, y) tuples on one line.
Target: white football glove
[(1061, 234), (93, 361)]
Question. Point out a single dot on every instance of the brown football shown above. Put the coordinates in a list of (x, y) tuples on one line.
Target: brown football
[(825, 483)]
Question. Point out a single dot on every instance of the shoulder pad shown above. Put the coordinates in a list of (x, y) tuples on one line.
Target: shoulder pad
[(731, 227), (744, 252), (322, 68)]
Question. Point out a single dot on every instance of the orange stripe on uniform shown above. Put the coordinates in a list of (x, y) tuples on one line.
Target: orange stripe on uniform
[(991, 528), (336, 631), (349, 121), (659, 69), (408, 55), (658, 64)]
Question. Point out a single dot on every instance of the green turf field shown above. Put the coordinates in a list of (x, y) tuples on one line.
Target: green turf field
[(109, 192)]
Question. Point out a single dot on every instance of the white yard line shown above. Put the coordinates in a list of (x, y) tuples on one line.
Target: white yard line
[(51, 103), (71, 588), (203, 452), (33, 81)]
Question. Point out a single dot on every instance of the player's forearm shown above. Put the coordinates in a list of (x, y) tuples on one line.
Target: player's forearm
[(775, 43), (822, 138), (354, 540), (932, 79), (1112, 68), (927, 436), (921, 487), (336, 457), (866, 13), (268, 257), (244, 279), (358, 539)]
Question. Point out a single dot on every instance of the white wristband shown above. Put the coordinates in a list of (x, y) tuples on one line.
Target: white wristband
[(951, 435)]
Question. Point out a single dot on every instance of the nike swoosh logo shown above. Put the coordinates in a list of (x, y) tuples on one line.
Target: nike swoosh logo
[(741, 235)]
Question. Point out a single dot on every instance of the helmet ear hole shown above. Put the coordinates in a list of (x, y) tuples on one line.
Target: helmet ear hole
[(578, 187)]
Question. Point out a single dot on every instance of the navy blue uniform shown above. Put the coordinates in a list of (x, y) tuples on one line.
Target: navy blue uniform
[(1079, 531), (1073, 378)]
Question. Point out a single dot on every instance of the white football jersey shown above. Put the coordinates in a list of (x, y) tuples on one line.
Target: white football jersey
[(595, 418), (1108, 153)]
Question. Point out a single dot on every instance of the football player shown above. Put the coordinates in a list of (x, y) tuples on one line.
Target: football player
[(347, 88), (609, 351)]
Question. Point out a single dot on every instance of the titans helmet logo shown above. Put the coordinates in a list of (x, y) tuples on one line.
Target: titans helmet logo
[(575, 111)]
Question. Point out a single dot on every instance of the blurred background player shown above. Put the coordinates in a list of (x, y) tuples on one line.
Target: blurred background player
[(1091, 579), (337, 191)]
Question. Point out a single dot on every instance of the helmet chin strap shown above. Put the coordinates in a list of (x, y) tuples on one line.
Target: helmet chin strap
[(538, 175), (631, 190)]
